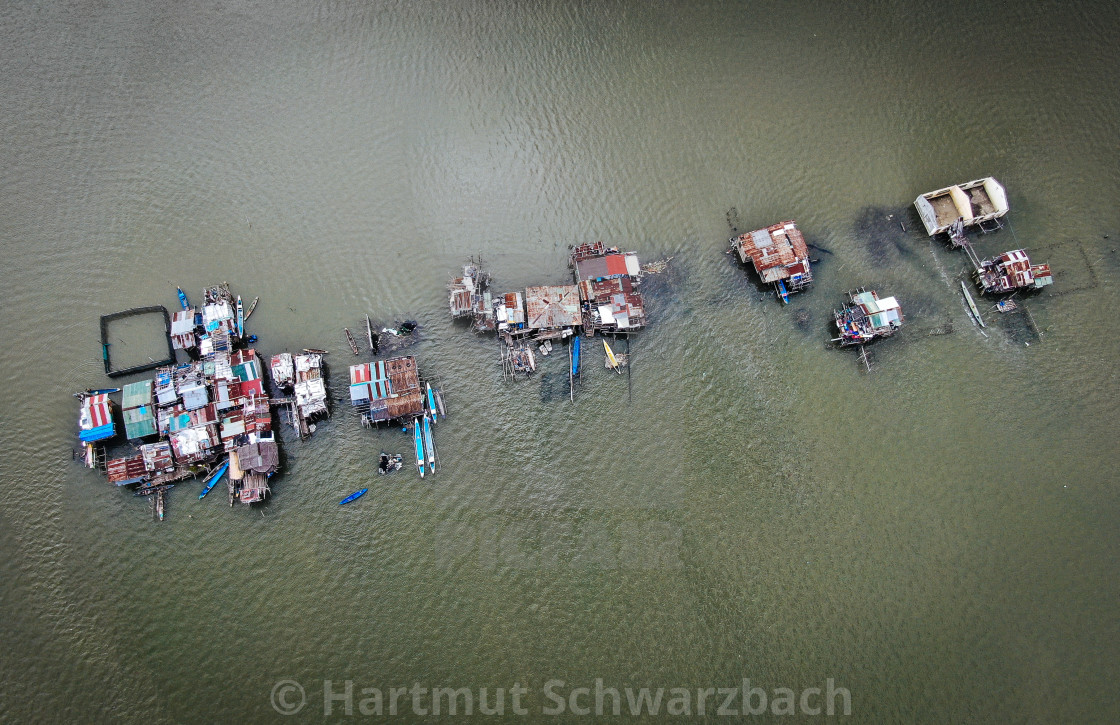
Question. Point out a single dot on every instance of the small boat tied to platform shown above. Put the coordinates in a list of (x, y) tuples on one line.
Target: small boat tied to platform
[(352, 497), (240, 317), (612, 361), (350, 339), (369, 335), (428, 444), (212, 479), (432, 404), (418, 439)]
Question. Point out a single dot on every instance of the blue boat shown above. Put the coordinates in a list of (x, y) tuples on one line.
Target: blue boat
[(431, 403), (183, 299), (428, 444), (575, 357), (783, 295), (351, 497), (212, 479), (418, 437), (240, 317)]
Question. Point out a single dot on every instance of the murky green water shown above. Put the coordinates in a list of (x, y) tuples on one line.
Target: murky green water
[(938, 537)]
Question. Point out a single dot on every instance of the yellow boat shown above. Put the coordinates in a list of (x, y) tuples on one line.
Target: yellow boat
[(611, 358)]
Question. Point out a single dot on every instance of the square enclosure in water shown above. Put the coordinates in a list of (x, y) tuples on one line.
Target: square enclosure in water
[(136, 340)]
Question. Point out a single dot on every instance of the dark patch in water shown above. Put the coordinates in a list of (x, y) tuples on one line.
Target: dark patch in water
[(803, 319), (881, 229), (548, 383)]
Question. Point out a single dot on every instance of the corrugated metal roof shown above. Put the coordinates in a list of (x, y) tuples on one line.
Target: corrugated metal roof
[(138, 393), (551, 307)]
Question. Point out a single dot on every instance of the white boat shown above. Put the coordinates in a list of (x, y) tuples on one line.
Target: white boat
[(428, 444), (971, 203), (972, 305), (418, 437)]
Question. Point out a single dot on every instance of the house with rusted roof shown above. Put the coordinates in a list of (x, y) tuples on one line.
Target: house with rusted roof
[(779, 255)]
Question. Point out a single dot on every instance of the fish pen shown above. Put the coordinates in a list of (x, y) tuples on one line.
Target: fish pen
[(106, 320)]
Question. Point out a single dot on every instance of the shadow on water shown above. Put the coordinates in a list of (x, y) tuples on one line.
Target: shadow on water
[(885, 231)]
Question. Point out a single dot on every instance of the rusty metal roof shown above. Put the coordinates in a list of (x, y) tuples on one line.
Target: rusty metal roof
[(552, 307), (779, 245)]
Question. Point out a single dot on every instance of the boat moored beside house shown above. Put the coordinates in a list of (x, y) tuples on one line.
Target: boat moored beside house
[(779, 255)]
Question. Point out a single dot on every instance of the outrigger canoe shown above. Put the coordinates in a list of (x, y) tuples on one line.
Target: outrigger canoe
[(351, 497), (214, 477), (972, 305), (240, 317), (418, 437), (428, 444), (183, 299), (432, 403), (611, 358), (575, 356)]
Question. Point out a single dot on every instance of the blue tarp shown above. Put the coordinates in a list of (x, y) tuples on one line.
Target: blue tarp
[(97, 434)]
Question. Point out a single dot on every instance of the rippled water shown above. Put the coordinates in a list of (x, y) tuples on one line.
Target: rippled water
[(939, 537)]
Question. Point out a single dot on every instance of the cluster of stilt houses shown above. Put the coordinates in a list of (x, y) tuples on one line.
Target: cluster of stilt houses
[(209, 416), (604, 298), (212, 415)]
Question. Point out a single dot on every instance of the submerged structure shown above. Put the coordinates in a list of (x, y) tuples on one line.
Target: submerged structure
[(975, 203), (779, 255), (1012, 271), (867, 318)]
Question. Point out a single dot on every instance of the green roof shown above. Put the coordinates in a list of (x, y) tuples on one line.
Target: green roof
[(136, 394)]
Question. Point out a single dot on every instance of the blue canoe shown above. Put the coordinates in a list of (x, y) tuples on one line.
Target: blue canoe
[(417, 435), (183, 299), (575, 357), (428, 444), (240, 317), (432, 403), (214, 478), (351, 497)]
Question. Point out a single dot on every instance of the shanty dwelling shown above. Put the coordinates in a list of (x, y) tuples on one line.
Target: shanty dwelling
[(469, 296), (867, 318), (255, 463), (551, 310), (157, 457), (183, 335), (974, 203), (95, 419), (283, 370), (310, 388), (126, 471), (509, 314), (608, 288), (1012, 271), (779, 255), (387, 389), (137, 405)]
